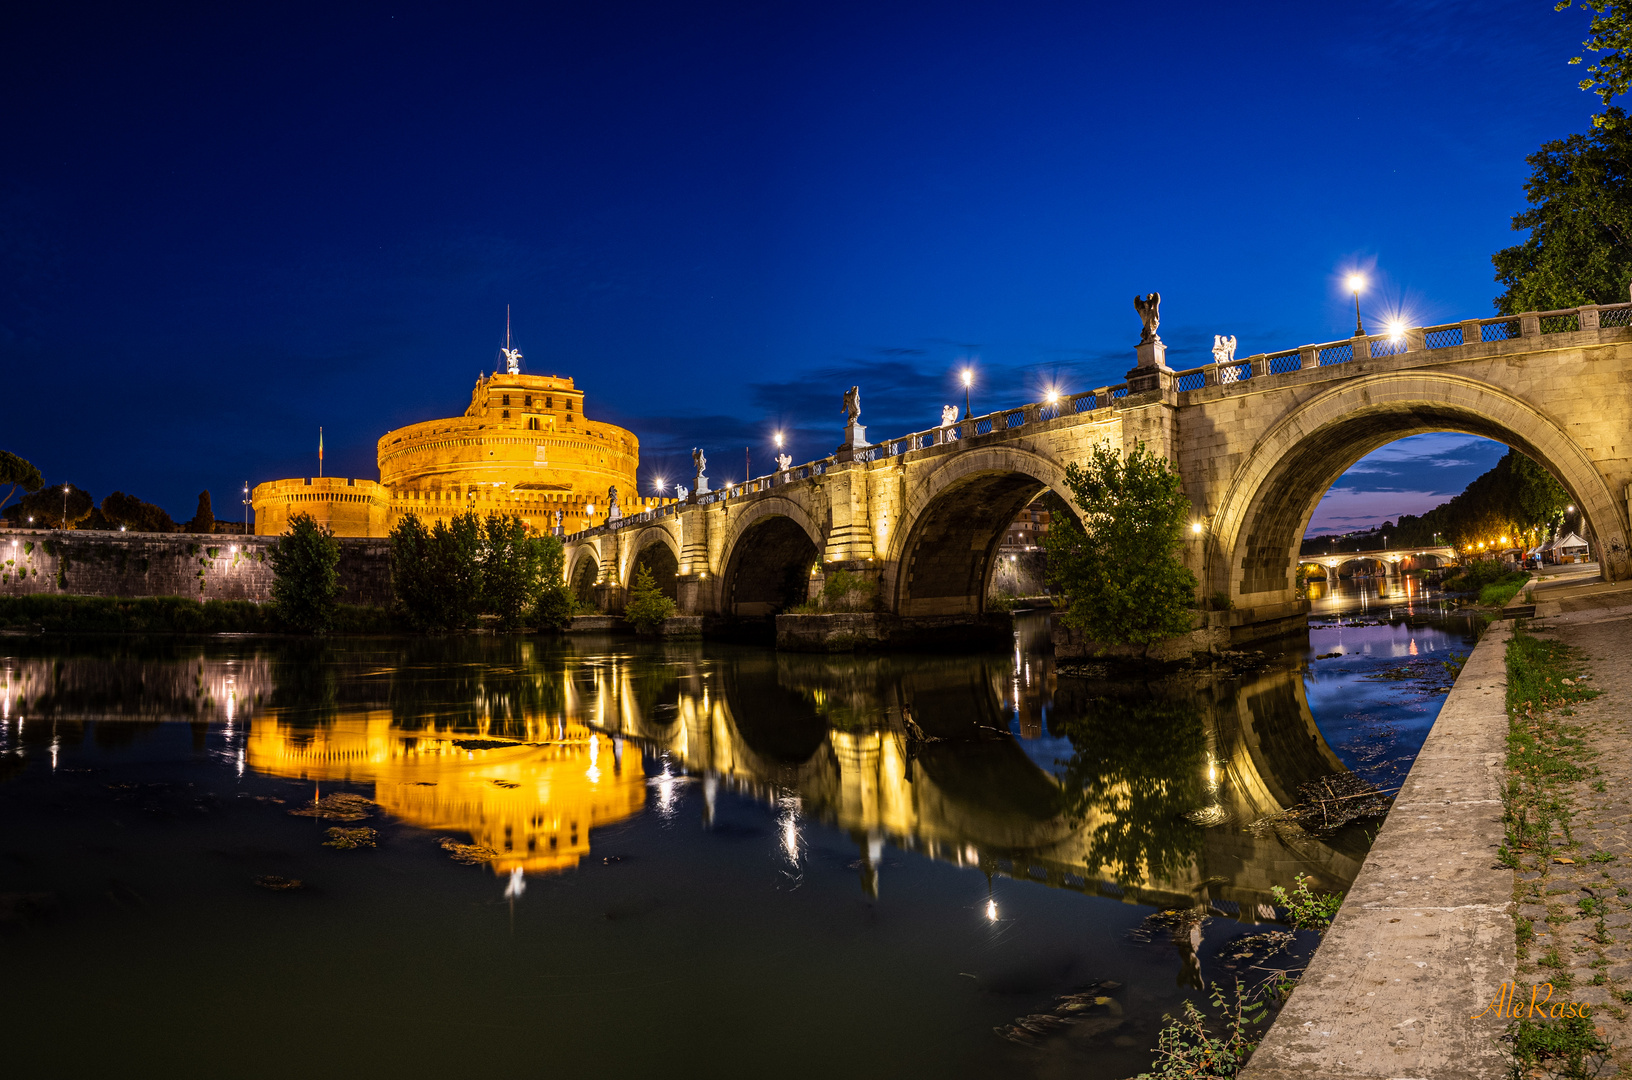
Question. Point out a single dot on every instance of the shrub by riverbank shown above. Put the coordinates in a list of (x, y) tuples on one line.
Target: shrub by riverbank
[(172, 615)]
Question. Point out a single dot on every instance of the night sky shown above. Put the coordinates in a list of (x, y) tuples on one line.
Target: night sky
[(222, 227)]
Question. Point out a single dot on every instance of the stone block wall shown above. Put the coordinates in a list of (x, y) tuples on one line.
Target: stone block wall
[(200, 567)]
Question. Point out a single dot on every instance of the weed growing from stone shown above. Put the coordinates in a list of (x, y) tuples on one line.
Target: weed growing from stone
[(1187, 1048), (1568, 1047), (1305, 910)]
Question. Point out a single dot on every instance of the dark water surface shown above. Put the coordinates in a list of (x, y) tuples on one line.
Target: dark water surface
[(711, 860)]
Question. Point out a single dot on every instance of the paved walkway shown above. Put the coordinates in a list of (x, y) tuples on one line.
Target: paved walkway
[(1597, 618)]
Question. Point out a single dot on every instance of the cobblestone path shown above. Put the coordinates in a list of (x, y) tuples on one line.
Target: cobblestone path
[(1579, 904)]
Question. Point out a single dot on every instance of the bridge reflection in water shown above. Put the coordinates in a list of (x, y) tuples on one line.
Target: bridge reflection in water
[(1142, 792), (1144, 795)]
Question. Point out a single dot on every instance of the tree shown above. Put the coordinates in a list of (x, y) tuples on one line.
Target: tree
[(1120, 567), (436, 575), (1580, 246), (1611, 33), (511, 562), (647, 606), (204, 519), (306, 576), (135, 515), (556, 604), (45, 506), (16, 473)]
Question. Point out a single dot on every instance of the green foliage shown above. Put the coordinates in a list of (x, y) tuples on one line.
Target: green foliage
[(1610, 32), (512, 560), (16, 473), (1478, 574), (169, 615), (1498, 593), (436, 576), (305, 576), (845, 591), (135, 515), (1567, 1047), (556, 603), (1120, 567), (647, 606), (1137, 768), (1187, 1050), (1580, 220), (1543, 753), (204, 518), (45, 507), (1304, 909)]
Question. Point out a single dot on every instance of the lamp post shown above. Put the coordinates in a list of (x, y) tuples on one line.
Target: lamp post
[(246, 507), (65, 506), (968, 378), (1356, 283)]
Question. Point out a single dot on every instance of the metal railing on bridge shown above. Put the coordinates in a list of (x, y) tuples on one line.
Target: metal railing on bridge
[(1531, 324)]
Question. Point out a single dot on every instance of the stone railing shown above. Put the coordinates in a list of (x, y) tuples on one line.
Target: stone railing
[(1530, 324), (1417, 339)]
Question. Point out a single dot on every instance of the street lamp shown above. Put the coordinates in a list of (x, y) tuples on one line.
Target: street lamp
[(65, 506), (968, 378), (1356, 283), (779, 440), (246, 507)]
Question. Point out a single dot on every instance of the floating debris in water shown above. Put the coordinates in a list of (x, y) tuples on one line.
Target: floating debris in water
[(1331, 803), (1330, 655), (1257, 947), (469, 854), (1073, 1011), (279, 884), (350, 838), (342, 806)]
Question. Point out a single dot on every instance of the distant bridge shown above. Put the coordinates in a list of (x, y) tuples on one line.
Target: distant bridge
[(1392, 560), (1256, 441)]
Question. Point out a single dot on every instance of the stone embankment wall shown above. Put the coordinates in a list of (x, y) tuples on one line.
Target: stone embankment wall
[(201, 567), (1019, 573)]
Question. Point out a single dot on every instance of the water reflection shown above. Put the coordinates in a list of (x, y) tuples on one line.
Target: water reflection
[(1139, 792)]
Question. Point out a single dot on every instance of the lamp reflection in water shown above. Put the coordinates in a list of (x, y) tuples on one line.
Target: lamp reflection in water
[(533, 803)]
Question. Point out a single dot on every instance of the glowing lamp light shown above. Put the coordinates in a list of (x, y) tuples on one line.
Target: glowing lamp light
[(1053, 396), (1195, 527), (1396, 329), (1356, 282), (968, 377), (779, 440)]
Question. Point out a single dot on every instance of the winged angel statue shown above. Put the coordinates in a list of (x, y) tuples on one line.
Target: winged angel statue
[(1149, 309)]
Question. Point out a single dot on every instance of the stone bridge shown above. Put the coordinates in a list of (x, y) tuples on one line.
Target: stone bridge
[(1391, 560), (1257, 442)]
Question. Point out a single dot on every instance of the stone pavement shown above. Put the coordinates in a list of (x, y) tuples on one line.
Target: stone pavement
[(1596, 617)]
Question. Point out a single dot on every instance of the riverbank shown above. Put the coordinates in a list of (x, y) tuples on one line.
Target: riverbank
[(1424, 939), (171, 615)]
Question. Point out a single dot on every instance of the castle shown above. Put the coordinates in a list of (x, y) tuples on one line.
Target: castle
[(523, 447)]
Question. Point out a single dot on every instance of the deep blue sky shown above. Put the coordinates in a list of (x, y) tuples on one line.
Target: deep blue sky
[(221, 227)]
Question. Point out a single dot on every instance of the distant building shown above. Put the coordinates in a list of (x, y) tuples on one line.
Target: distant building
[(523, 447), (1026, 531)]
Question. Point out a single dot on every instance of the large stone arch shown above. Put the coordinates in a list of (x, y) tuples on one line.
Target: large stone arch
[(939, 557), (765, 547), (646, 544), (583, 571), (1257, 527)]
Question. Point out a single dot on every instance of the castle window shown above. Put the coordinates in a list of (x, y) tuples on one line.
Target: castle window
[(504, 400), (527, 401), (532, 423), (507, 414), (549, 402)]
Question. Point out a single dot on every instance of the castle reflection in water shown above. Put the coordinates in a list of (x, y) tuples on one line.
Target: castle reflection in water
[(527, 745)]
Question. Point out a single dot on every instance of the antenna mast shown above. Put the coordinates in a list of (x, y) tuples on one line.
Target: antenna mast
[(512, 357)]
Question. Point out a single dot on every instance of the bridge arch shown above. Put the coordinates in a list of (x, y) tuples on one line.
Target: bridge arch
[(1274, 492), (939, 559), (767, 554), (583, 571), (657, 548)]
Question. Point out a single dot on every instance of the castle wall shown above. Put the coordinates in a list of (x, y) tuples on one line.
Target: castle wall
[(348, 507), (88, 563)]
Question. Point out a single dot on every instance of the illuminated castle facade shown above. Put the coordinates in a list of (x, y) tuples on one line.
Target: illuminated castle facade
[(523, 447)]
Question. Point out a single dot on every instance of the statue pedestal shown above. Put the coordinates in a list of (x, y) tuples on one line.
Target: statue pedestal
[(1152, 354), (855, 438), (702, 486)]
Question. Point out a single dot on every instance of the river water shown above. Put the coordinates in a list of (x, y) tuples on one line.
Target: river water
[(705, 857)]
